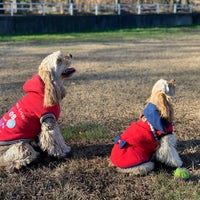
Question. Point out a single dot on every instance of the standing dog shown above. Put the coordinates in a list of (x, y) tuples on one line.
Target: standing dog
[(151, 134), (35, 115)]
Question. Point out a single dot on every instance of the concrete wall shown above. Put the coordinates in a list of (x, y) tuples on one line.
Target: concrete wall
[(62, 24)]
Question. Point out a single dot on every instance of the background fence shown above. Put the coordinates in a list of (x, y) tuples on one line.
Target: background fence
[(14, 25), (93, 9)]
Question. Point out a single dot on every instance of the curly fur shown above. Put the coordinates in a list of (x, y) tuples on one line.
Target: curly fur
[(52, 70), (49, 71), (17, 155), (162, 100), (167, 153), (52, 91), (143, 169), (51, 139)]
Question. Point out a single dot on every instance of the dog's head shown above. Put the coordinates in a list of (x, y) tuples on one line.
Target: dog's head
[(167, 88), (52, 70), (161, 95)]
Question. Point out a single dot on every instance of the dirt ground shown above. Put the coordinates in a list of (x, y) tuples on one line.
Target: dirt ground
[(109, 89)]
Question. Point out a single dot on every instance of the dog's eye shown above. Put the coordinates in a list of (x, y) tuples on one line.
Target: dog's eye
[(68, 57)]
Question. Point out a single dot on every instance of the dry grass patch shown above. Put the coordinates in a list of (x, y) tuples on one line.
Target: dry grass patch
[(107, 93)]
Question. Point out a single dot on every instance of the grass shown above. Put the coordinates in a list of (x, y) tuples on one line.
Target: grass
[(124, 34), (85, 132), (107, 93), (169, 188)]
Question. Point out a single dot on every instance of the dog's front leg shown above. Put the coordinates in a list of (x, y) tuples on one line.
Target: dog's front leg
[(167, 153), (51, 139)]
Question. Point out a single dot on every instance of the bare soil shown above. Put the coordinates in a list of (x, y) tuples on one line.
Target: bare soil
[(109, 89)]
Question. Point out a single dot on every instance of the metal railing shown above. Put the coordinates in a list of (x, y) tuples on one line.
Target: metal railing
[(93, 9)]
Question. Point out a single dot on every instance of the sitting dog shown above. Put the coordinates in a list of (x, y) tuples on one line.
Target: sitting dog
[(151, 136), (34, 117)]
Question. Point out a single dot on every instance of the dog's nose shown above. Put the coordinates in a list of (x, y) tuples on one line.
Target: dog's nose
[(70, 55), (172, 82)]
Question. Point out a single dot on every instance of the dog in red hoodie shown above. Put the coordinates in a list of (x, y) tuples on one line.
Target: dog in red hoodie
[(35, 115), (151, 135)]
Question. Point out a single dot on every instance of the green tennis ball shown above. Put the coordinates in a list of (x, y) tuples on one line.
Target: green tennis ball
[(181, 173)]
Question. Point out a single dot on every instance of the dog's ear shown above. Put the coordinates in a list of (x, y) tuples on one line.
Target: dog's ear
[(52, 94), (165, 107), (172, 87), (59, 61)]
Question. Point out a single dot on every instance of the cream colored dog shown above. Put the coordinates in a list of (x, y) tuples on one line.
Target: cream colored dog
[(151, 135), (35, 116)]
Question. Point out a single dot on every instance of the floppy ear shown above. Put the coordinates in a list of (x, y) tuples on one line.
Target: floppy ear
[(165, 107), (52, 94)]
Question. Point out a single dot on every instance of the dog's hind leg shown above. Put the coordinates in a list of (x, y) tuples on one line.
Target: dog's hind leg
[(17, 155), (167, 153), (142, 169)]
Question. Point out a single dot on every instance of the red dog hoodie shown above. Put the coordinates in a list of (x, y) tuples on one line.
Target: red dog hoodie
[(22, 121), (140, 140)]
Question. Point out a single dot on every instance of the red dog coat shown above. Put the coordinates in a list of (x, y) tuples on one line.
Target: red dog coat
[(138, 143), (22, 121)]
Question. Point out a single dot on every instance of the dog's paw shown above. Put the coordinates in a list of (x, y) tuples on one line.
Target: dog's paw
[(17, 165), (60, 151), (178, 162), (67, 149)]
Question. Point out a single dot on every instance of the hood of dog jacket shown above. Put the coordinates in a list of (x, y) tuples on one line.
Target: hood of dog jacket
[(22, 121), (35, 84), (137, 144), (161, 126)]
